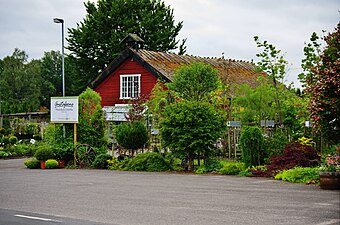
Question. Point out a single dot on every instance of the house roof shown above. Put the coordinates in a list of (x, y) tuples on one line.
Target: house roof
[(163, 65)]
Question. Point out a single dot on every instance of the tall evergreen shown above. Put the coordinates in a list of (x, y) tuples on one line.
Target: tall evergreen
[(95, 42)]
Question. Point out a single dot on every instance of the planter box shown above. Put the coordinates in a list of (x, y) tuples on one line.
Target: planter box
[(330, 180)]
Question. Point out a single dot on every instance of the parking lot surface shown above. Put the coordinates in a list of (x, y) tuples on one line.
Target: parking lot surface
[(140, 198)]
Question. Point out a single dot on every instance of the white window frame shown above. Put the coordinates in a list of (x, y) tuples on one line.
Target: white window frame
[(124, 86)]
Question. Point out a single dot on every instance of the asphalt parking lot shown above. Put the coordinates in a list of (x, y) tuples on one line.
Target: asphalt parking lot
[(138, 198)]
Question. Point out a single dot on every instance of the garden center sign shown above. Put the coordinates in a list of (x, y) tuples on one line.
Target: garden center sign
[(64, 109)]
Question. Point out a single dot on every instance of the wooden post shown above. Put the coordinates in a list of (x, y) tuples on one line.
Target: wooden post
[(75, 143)]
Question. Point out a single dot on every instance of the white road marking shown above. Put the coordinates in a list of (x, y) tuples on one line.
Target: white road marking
[(37, 218)]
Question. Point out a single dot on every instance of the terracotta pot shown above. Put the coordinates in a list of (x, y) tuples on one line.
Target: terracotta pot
[(330, 180), (42, 164), (61, 163)]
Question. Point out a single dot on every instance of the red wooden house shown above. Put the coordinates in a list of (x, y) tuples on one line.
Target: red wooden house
[(135, 72)]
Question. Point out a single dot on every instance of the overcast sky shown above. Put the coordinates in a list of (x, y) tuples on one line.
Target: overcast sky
[(212, 27)]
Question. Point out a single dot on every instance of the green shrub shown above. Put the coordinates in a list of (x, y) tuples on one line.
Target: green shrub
[(51, 164), (115, 164), (21, 149), (132, 135), (4, 154), (275, 144), (251, 143), (100, 161), (201, 170), (32, 164), (149, 161), (245, 173), (5, 140), (13, 140), (212, 164), (299, 175), (44, 153), (232, 168), (64, 150)]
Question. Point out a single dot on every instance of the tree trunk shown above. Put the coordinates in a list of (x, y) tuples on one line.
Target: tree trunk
[(190, 163)]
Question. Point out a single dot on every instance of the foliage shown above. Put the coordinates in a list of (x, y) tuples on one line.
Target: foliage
[(195, 82), (274, 144), (4, 154), (232, 168), (22, 149), (62, 147), (274, 65), (95, 42), (20, 83), (44, 153), (299, 175), (312, 52), (201, 169), (51, 77), (115, 164), (132, 135), (51, 164), (100, 161), (331, 163), (91, 126), (323, 87), (191, 127), (294, 155), (13, 140), (159, 98), (251, 144), (32, 164), (150, 162), (306, 141), (257, 103), (5, 141), (137, 109), (212, 164)]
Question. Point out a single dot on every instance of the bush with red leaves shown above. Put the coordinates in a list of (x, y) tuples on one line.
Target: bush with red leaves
[(294, 155)]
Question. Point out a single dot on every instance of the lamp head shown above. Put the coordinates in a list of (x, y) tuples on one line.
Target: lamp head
[(58, 20)]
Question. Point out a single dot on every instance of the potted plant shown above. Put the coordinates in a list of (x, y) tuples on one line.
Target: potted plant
[(63, 153), (330, 173), (43, 154)]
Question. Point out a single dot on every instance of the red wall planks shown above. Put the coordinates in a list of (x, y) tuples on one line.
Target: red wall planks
[(109, 89)]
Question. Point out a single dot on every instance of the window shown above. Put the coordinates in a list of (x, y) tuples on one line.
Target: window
[(129, 86)]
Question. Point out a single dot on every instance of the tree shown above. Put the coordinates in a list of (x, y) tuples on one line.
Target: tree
[(323, 86), (131, 135), (195, 82), (91, 127), (257, 103), (274, 65), (191, 127), (20, 83), (251, 144), (312, 58), (96, 40)]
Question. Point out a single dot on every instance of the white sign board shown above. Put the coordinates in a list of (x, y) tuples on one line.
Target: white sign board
[(64, 109)]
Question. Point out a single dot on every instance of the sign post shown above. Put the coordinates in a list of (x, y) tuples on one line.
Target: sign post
[(65, 110)]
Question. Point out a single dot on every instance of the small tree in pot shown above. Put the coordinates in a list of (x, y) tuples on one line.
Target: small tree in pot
[(43, 154)]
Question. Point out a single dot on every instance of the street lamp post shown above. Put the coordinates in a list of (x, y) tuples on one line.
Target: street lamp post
[(58, 20)]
